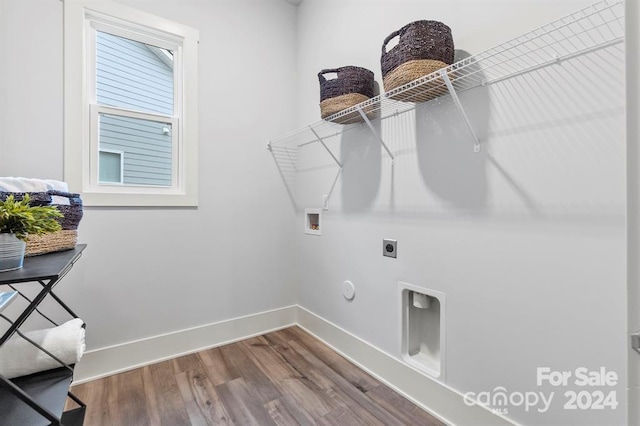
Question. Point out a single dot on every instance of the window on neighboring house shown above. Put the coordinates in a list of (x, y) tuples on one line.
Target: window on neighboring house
[(130, 129), (111, 164)]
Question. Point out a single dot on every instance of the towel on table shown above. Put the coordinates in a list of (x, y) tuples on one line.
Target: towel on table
[(22, 184), (19, 357)]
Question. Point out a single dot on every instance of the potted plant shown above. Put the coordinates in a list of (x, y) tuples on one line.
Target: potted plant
[(18, 219)]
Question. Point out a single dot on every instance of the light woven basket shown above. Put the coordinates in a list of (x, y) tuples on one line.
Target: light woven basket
[(423, 47), (413, 70), (332, 106), (52, 242)]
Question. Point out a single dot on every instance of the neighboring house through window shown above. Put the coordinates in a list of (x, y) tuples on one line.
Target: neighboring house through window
[(136, 140)]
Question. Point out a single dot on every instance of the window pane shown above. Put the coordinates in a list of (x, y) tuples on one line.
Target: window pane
[(133, 75), (110, 167), (146, 146)]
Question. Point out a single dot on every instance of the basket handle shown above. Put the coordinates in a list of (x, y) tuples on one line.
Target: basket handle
[(74, 199), (327, 71), (388, 39)]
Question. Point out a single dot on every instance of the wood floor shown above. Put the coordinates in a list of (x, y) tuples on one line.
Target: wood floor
[(282, 378)]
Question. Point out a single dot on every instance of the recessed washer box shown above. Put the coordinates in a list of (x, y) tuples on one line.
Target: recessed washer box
[(423, 329), (313, 221)]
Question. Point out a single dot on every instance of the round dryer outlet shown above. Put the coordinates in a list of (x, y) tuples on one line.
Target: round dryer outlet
[(348, 290)]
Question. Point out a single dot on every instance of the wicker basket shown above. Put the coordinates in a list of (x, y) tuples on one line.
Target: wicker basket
[(423, 47), (65, 239), (52, 242), (352, 86)]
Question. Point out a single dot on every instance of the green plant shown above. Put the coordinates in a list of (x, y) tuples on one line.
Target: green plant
[(21, 219)]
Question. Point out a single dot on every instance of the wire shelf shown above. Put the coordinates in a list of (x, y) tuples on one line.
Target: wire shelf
[(595, 27)]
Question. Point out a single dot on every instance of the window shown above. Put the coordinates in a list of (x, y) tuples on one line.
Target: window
[(111, 166), (130, 106)]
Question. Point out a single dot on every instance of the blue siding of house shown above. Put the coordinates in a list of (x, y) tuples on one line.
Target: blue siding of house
[(147, 151), (129, 75)]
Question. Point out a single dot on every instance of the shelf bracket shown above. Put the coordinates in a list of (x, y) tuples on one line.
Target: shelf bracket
[(325, 147), (456, 100), (373, 130)]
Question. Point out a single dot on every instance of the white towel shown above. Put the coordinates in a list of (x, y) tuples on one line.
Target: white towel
[(22, 184), (18, 357)]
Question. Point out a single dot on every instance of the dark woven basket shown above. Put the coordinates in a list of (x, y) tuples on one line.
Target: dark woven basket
[(423, 47), (352, 86), (36, 198)]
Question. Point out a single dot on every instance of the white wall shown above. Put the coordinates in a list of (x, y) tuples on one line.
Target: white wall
[(31, 82), (526, 238), (152, 271), (633, 208)]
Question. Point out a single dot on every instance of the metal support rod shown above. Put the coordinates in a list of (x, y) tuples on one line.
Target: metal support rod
[(61, 303), (76, 400), (25, 314), (373, 130), (456, 100), (37, 310), (325, 147), (333, 186)]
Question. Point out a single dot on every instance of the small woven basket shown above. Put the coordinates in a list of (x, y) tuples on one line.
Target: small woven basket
[(353, 85), (65, 239), (423, 47)]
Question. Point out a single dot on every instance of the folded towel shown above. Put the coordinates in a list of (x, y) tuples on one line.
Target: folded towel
[(18, 357), (57, 185), (22, 184)]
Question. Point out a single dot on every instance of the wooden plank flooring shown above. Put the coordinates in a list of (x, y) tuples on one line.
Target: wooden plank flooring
[(282, 378)]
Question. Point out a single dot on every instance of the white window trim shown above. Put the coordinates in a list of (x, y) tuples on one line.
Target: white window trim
[(82, 18), (121, 154)]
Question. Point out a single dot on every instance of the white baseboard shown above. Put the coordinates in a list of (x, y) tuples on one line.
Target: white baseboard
[(438, 399), (443, 402), (127, 356)]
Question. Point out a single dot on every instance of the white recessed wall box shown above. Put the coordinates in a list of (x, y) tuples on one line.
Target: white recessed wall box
[(313, 221)]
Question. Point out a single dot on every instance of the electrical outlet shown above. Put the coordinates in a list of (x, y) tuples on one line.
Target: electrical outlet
[(390, 248)]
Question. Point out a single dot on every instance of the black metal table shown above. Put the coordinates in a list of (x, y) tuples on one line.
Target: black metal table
[(39, 398)]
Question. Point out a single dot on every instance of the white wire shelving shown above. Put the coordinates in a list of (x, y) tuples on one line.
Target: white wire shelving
[(590, 29)]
